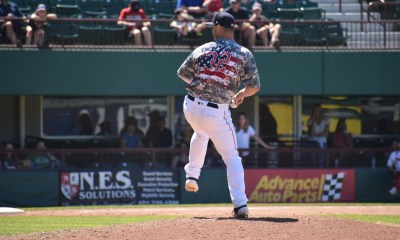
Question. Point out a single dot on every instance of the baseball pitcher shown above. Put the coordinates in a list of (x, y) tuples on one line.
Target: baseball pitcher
[(213, 73)]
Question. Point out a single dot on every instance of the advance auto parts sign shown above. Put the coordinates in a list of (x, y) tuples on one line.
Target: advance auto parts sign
[(118, 187), (300, 186)]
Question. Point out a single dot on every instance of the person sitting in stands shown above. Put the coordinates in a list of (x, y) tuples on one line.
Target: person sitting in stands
[(10, 28), (185, 27), (43, 160), (9, 161), (266, 31), (130, 139), (240, 13), (341, 139), (193, 7), (35, 30), (136, 29)]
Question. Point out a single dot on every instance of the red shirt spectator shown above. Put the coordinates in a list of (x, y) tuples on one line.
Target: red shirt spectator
[(128, 14)]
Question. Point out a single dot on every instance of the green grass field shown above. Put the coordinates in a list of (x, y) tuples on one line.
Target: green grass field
[(29, 224), (372, 218)]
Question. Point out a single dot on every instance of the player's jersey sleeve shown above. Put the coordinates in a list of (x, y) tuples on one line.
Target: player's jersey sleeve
[(186, 70), (251, 77)]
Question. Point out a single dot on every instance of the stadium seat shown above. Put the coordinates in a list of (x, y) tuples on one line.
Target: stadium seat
[(334, 34), (67, 10), (160, 6), (164, 36), (112, 7), (90, 35), (24, 7), (311, 34), (114, 35), (312, 13), (289, 37), (288, 13), (91, 8)]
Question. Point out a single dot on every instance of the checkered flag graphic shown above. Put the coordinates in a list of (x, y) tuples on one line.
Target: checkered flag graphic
[(332, 187)]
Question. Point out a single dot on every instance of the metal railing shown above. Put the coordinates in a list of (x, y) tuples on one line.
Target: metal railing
[(111, 158), (68, 33)]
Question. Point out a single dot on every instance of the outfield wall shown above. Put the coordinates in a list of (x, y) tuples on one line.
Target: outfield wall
[(153, 72), (166, 186)]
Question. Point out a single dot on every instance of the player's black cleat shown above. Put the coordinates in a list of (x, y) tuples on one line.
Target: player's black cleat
[(240, 212)]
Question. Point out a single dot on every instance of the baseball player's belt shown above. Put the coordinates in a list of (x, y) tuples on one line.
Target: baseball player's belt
[(209, 104)]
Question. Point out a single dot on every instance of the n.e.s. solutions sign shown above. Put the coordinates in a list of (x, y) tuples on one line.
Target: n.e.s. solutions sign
[(119, 187)]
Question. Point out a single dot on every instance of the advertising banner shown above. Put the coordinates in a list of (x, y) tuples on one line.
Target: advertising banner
[(300, 186), (125, 186)]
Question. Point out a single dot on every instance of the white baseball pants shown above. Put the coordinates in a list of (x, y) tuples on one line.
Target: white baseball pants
[(215, 124)]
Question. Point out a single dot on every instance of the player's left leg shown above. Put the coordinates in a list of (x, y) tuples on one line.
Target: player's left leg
[(222, 133)]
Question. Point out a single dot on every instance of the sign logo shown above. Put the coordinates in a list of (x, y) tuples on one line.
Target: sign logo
[(332, 187), (70, 185), (102, 185), (298, 187)]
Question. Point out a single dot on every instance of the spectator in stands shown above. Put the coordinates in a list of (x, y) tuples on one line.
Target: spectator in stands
[(9, 161), (393, 164), (128, 121), (161, 137), (154, 116), (245, 132), (105, 128), (267, 31), (193, 7), (318, 131), (136, 29), (130, 139), (35, 30), (240, 13), (341, 139), (85, 123), (11, 28), (181, 159), (318, 126), (43, 160), (185, 27), (213, 7)]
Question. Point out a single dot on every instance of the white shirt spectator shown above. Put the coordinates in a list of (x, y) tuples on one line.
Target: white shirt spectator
[(394, 160)]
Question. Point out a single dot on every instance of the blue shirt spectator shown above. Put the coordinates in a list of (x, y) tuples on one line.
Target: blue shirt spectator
[(7, 8), (193, 7), (130, 139), (10, 28)]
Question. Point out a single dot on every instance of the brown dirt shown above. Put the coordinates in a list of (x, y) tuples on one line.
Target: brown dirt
[(264, 222)]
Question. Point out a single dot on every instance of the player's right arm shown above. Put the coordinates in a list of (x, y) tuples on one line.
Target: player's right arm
[(186, 70)]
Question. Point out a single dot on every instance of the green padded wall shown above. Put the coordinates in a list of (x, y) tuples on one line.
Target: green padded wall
[(153, 72)]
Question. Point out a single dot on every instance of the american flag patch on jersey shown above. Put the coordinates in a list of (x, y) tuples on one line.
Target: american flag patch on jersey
[(332, 187)]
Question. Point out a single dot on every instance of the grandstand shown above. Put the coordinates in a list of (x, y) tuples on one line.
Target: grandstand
[(329, 23)]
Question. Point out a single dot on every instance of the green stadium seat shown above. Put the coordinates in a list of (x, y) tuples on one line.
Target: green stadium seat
[(308, 4), (90, 35), (334, 34), (114, 36), (312, 13), (288, 13), (91, 8), (67, 10), (23, 7), (160, 6), (289, 37), (311, 34), (164, 36), (112, 7)]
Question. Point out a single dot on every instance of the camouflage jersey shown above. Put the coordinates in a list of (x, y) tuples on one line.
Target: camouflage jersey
[(216, 69)]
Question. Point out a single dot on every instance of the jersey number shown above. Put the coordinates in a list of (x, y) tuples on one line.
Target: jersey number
[(224, 58)]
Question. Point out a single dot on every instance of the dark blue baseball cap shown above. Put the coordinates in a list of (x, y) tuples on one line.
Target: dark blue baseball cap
[(223, 19)]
